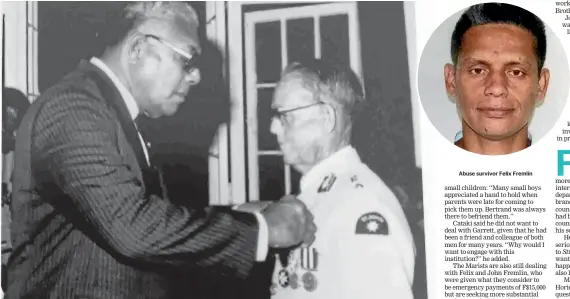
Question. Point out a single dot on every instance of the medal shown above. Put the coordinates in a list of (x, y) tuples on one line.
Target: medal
[(283, 278), (273, 289), (293, 281), (309, 281), (309, 258)]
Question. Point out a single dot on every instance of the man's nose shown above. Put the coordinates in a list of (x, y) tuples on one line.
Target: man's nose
[(193, 77), (276, 126), (496, 84)]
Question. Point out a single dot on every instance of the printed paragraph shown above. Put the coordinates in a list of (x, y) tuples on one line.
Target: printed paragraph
[(565, 134), (563, 8), (562, 245), (485, 227)]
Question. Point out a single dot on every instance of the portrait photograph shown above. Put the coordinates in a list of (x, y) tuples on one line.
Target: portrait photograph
[(493, 79)]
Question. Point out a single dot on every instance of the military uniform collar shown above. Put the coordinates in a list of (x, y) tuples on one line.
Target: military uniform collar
[(345, 156)]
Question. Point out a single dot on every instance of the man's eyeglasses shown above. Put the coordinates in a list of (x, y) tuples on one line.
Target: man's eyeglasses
[(188, 59), (280, 114)]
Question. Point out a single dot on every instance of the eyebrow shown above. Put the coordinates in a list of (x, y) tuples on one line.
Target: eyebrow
[(485, 62)]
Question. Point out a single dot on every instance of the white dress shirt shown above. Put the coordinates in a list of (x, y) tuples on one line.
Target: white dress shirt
[(127, 97)]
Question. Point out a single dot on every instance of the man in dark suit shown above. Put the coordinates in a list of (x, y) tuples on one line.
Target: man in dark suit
[(90, 219)]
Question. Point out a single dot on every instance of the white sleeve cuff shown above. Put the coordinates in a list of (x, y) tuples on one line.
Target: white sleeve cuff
[(263, 238)]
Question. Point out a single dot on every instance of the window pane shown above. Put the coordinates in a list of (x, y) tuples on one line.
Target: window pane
[(300, 39), (265, 140), (3, 47), (295, 180), (271, 178), (268, 51), (334, 38)]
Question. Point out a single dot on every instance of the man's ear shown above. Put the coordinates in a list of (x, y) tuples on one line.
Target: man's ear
[(543, 80), (449, 78), (136, 46), (330, 118)]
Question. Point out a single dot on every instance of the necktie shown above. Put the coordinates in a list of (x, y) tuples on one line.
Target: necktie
[(139, 123), (151, 175)]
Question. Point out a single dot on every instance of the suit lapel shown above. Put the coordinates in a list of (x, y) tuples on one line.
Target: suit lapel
[(113, 98), (151, 176)]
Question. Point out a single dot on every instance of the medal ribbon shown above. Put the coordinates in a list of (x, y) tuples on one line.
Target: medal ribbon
[(309, 258)]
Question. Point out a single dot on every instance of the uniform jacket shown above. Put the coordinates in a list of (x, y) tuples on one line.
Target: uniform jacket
[(364, 246)]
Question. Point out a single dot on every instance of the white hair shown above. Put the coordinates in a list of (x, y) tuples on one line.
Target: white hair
[(139, 12), (333, 83)]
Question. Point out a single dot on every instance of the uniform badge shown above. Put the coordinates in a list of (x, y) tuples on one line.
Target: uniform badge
[(273, 289), (327, 183), (283, 278), (294, 281), (355, 182), (309, 281), (372, 224)]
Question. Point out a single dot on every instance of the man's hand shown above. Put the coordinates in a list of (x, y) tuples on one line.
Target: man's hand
[(289, 223), (251, 207)]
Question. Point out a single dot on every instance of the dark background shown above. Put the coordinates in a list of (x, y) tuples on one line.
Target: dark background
[(384, 137)]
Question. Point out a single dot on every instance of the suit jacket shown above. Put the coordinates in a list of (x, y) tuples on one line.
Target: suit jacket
[(89, 220)]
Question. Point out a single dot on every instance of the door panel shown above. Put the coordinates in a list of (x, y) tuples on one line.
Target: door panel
[(335, 38), (273, 38), (268, 51), (300, 39), (266, 141)]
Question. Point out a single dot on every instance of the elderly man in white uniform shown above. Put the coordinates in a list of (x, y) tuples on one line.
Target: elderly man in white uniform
[(364, 246)]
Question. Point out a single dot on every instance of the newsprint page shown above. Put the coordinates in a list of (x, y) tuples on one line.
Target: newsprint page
[(497, 219), (285, 149)]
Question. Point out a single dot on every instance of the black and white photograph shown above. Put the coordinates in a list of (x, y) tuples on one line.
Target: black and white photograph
[(209, 149)]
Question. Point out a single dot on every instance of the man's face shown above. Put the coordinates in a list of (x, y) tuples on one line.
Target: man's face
[(496, 81), (162, 76), (298, 124)]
